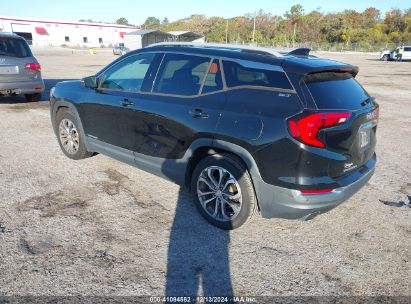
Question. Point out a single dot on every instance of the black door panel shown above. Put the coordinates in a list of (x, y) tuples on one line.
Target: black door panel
[(105, 110), (162, 126)]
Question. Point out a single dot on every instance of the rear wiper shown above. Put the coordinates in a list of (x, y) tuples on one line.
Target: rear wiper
[(367, 101)]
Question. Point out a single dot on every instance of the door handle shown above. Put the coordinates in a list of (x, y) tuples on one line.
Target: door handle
[(198, 113), (127, 103)]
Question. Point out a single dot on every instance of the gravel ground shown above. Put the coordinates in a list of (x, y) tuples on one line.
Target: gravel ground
[(100, 227)]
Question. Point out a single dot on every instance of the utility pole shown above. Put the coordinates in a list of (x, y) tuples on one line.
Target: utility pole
[(255, 14), (226, 33), (295, 27)]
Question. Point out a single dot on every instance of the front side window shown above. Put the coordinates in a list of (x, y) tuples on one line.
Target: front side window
[(181, 74), (127, 75), (238, 75)]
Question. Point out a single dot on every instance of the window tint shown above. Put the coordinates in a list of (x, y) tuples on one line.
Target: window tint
[(12, 47), (336, 91), (238, 75), (213, 81), (129, 74), (407, 49), (181, 74)]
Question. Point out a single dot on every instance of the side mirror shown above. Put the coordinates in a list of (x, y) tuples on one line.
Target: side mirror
[(90, 82)]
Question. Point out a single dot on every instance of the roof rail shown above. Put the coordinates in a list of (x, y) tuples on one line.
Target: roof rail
[(9, 34), (242, 48), (300, 52)]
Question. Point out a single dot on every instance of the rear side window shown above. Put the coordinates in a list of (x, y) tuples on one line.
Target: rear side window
[(407, 49), (332, 90), (12, 47), (181, 74), (239, 75)]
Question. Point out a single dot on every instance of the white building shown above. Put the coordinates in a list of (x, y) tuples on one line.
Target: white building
[(142, 38), (187, 36), (58, 33)]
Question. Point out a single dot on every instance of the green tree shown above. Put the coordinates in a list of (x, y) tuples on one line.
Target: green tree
[(370, 17), (295, 12), (294, 20), (365, 28), (152, 23), (122, 21)]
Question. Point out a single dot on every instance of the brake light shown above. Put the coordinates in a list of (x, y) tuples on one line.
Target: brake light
[(35, 66), (306, 128), (316, 192)]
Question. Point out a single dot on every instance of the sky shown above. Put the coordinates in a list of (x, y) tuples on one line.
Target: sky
[(137, 11)]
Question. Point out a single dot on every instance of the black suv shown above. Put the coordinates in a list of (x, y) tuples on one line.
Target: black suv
[(288, 134)]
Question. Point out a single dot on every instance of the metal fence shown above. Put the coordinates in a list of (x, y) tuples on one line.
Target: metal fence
[(333, 47)]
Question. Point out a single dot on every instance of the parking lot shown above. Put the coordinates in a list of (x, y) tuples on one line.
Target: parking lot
[(101, 227)]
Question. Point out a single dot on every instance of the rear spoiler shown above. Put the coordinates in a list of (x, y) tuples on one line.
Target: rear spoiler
[(352, 69), (300, 52)]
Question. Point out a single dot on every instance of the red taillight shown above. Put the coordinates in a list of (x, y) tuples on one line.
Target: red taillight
[(316, 192), (33, 66), (306, 128)]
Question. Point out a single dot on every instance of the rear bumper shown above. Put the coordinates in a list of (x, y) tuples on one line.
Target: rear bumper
[(23, 87), (278, 202)]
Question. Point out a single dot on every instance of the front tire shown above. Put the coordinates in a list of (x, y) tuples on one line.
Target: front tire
[(70, 137), (223, 191), (33, 97)]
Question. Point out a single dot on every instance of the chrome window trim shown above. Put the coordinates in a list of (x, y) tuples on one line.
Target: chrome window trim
[(205, 76), (158, 69), (225, 87), (223, 74), (257, 88)]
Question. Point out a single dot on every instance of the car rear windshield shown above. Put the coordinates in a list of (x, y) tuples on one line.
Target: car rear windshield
[(334, 90), (13, 47)]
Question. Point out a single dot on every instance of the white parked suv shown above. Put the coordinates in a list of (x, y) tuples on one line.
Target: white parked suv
[(388, 55)]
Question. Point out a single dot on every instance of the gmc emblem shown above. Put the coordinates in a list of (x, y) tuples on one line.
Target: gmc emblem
[(372, 115)]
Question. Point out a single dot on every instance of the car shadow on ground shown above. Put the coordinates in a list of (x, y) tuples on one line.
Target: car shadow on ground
[(16, 99), (198, 257)]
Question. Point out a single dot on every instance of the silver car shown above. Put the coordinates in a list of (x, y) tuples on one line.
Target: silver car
[(19, 69), (120, 50)]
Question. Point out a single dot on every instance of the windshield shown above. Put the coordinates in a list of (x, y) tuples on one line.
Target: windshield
[(14, 47)]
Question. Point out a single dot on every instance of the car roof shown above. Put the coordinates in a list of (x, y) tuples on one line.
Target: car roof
[(297, 61), (11, 35), (219, 46)]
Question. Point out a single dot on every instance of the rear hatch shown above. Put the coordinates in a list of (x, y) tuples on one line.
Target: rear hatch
[(339, 92), (15, 54)]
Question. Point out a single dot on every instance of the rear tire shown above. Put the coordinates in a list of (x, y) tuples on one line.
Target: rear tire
[(70, 137), (223, 191), (33, 97)]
